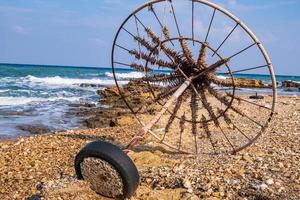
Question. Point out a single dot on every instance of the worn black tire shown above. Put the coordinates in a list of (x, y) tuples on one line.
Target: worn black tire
[(114, 156)]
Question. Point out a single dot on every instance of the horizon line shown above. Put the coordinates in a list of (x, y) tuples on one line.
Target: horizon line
[(98, 67)]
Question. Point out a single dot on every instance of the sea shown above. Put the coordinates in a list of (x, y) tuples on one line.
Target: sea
[(43, 95)]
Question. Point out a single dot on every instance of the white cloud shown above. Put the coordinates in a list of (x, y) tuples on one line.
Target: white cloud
[(19, 29)]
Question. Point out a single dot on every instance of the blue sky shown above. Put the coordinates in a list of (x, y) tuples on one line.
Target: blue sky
[(80, 32)]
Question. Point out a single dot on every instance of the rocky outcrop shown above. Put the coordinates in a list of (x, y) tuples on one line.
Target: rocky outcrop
[(291, 84), (113, 110), (242, 83)]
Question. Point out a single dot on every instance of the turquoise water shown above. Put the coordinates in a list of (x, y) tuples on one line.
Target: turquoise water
[(43, 94)]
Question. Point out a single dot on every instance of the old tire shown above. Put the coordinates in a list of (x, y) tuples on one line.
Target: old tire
[(108, 153)]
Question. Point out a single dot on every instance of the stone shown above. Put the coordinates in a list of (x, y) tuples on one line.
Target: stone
[(263, 186), (270, 181)]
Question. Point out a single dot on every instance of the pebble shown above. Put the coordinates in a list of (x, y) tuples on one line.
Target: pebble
[(270, 181), (263, 186)]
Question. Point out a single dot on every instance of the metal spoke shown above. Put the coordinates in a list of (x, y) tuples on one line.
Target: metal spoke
[(229, 121), (234, 55), (182, 127), (248, 69), (211, 21), (225, 39), (193, 18), (194, 111), (128, 32), (207, 131), (223, 99), (250, 102), (140, 22), (213, 116), (175, 19), (172, 116), (120, 63), (227, 138), (163, 27), (124, 48)]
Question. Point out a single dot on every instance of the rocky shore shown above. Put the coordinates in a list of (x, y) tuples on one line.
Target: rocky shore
[(41, 166)]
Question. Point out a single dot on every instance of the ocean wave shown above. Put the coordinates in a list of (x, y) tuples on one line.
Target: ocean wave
[(222, 77), (125, 75), (13, 101), (60, 81)]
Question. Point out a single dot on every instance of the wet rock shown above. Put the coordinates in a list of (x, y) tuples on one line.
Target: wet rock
[(290, 84), (85, 85), (35, 129)]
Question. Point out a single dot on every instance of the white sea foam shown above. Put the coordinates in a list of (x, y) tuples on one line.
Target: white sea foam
[(13, 101), (125, 75), (59, 81), (222, 77)]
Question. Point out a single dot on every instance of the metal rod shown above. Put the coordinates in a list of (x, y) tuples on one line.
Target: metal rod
[(193, 18), (241, 99), (120, 63), (123, 48), (225, 39), (227, 138), (140, 22), (240, 131), (248, 69), (160, 23), (129, 32), (175, 19), (211, 21), (242, 50)]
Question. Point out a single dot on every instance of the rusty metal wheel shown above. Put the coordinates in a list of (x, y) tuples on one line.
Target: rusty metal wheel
[(192, 55)]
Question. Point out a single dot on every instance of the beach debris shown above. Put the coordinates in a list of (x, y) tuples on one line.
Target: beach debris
[(192, 110), (256, 96)]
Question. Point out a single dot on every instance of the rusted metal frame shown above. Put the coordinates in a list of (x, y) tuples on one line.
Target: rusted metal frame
[(226, 38), (255, 39), (210, 24)]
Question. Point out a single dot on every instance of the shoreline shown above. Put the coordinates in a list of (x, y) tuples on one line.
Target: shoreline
[(41, 166)]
